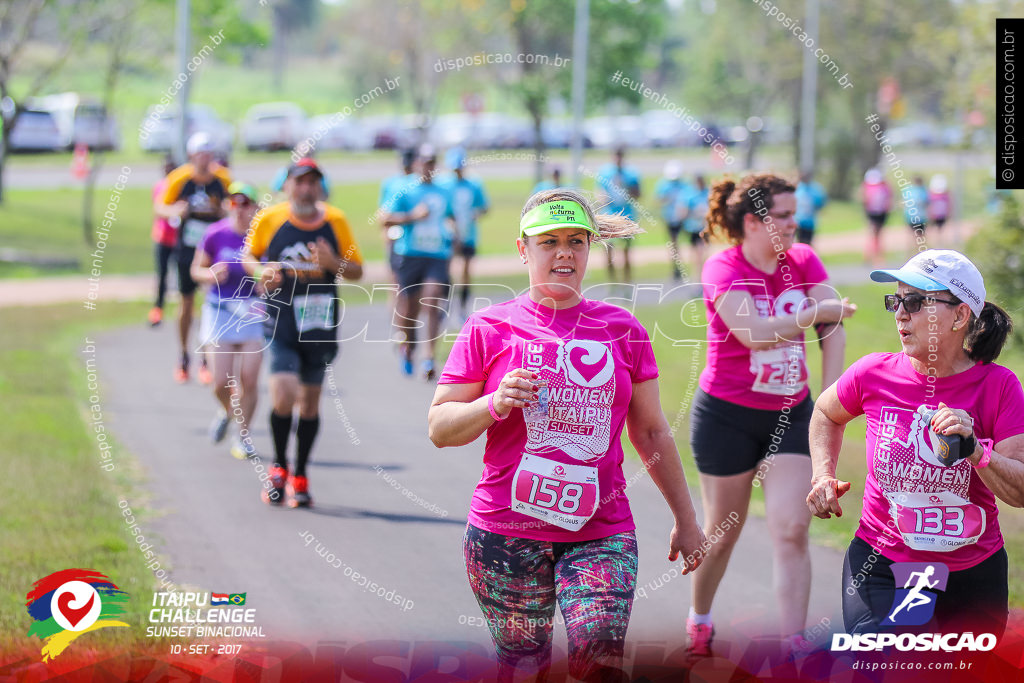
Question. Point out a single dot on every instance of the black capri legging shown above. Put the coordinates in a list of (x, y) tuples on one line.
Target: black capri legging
[(728, 439), (975, 599)]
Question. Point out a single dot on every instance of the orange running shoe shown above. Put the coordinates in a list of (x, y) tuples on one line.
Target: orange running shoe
[(205, 376), (274, 493), (156, 315), (181, 374), (298, 493)]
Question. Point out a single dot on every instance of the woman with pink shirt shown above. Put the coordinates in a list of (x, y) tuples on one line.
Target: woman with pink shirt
[(748, 423), (929, 497), (553, 378)]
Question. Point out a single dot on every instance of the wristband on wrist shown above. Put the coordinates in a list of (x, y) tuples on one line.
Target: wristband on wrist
[(257, 272), (493, 412), (986, 454)]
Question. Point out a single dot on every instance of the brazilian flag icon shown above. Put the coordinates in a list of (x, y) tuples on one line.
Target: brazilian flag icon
[(237, 598)]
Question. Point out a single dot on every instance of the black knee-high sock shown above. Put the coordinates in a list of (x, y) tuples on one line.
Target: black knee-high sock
[(280, 427), (464, 295), (305, 433)]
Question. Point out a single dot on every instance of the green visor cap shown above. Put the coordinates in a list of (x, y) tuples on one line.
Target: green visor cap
[(245, 189), (554, 215)]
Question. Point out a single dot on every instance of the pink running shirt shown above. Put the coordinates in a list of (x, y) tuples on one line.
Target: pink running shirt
[(555, 476), (915, 510), (766, 379)]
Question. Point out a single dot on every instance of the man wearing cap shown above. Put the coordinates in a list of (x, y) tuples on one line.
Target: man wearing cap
[(469, 202), (945, 439), (231, 327), (298, 250), (423, 254), (193, 200)]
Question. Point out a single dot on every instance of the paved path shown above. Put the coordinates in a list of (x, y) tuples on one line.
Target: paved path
[(217, 536)]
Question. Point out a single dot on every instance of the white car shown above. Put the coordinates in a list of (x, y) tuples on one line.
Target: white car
[(34, 131), (274, 125), (81, 120), (159, 129), (331, 131), (613, 131)]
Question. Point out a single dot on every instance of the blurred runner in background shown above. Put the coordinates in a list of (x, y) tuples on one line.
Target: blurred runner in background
[(194, 197)]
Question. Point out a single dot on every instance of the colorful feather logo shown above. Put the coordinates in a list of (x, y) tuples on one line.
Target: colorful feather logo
[(68, 603)]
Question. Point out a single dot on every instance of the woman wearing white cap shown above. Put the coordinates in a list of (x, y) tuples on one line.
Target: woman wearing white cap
[(553, 378), (928, 500)]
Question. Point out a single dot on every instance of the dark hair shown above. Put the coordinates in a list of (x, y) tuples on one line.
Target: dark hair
[(987, 333), (729, 202)]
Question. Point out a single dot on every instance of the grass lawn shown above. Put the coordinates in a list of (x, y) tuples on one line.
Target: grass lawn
[(50, 222), (64, 508)]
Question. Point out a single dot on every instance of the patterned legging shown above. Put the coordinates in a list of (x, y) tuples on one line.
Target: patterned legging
[(517, 582)]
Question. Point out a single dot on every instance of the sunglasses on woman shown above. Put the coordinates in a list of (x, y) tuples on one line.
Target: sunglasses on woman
[(912, 303)]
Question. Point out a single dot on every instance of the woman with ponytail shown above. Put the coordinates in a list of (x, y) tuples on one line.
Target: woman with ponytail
[(553, 378), (748, 424), (945, 438)]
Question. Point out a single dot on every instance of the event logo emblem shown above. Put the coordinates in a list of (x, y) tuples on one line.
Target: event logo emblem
[(914, 603), (68, 603), (589, 363)]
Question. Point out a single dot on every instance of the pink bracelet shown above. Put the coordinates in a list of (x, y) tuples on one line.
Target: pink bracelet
[(494, 413)]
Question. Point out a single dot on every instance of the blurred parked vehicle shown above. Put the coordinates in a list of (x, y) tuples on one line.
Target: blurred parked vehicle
[(159, 129), (329, 131), (35, 130), (81, 120), (273, 125), (612, 131)]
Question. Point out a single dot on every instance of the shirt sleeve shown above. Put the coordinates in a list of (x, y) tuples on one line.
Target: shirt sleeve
[(259, 238), (175, 181), (849, 387), (717, 277), (1009, 414), (645, 365), (347, 247), (204, 244), (481, 196), (814, 269), (465, 363)]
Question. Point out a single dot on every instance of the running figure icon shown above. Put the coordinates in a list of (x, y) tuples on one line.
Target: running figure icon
[(915, 598)]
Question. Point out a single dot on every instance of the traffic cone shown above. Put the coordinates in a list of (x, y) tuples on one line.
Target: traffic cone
[(80, 161)]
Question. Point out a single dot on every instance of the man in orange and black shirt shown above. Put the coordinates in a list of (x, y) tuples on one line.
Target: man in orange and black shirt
[(305, 245), (194, 200)]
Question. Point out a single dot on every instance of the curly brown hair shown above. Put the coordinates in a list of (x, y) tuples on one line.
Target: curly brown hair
[(729, 202)]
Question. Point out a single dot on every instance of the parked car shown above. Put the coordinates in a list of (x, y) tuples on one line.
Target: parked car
[(35, 130), (160, 128), (329, 131), (81, 120), (612, 131), (273, 125)]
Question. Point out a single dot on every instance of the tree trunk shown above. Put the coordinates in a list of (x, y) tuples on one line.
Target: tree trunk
[(753, 142), (537, 114), (279, 49), (3, 159)]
